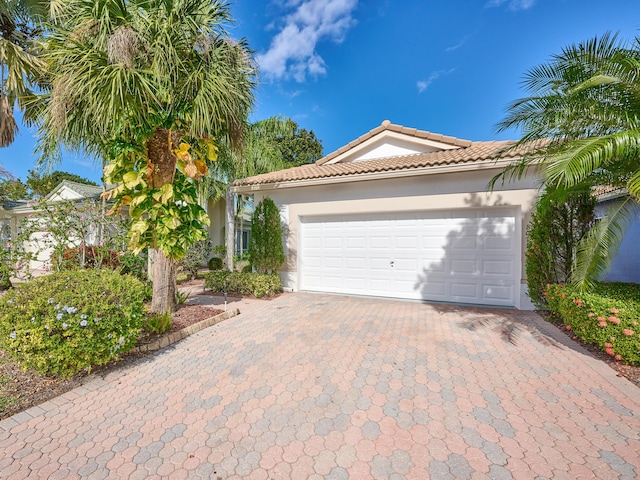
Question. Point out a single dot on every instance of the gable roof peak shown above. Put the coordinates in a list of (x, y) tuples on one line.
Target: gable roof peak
[(387, 126)]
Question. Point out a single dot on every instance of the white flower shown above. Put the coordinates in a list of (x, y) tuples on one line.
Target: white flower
[(33, 319), (83, 316), (51, 300), (59, 316), (65, 325), (83, 323), (12, 335)]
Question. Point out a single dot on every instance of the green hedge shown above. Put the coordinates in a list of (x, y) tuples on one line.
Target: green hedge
[(68, 321), (609, 316), (215, 263), (256, 284)]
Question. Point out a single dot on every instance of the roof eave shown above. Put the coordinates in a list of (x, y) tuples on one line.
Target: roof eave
[(355, 177)]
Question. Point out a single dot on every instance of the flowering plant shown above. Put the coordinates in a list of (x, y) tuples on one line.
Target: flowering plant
[(62, 323), (609, 316)]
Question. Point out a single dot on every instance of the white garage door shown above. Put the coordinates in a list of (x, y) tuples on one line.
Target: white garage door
[(457, 256)]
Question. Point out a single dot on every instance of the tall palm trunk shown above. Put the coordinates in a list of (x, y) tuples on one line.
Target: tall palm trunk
[(163, 167), (230, 230)]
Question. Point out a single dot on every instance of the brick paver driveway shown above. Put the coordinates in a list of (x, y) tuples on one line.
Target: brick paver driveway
[(315, 386)]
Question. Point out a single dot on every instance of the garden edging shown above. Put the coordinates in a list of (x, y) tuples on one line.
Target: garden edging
[(175, 337)]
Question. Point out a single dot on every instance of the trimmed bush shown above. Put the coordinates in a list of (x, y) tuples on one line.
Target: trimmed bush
[(256, 284), (558, 223), (266, 252), (608, 316), (215, 263), (69, 321)]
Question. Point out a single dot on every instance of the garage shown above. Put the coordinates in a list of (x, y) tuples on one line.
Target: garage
[(462, 256)]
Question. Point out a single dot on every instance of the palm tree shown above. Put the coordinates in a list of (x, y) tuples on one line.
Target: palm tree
[(581, 126), (258, 154), (19, 66), (138, 83)]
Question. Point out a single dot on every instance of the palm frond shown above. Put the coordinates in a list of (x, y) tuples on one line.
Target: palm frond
[(599, 247)]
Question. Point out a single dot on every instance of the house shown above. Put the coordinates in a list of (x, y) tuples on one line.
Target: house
[(13, 212), (404, 213), (626, 265)]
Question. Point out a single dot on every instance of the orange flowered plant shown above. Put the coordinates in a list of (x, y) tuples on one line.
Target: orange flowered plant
[(607, 316)]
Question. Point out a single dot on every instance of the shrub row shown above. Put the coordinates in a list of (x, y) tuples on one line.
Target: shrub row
[(245, 283), (609, 316), (68, 321)]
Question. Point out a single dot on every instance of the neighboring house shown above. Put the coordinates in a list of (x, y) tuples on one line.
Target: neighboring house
[(13, 212), (404, 213), (626, 265)]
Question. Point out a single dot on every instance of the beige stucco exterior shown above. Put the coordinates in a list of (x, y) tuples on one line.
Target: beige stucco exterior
[(216, 211)]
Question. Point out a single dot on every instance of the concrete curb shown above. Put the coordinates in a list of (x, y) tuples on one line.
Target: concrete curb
[(175, 337)]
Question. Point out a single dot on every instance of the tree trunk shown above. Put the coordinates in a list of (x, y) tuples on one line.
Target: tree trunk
[(161, 170), (164, 283), (231, 227)]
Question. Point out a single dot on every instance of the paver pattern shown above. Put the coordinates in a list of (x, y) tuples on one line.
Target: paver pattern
[(316, 386)]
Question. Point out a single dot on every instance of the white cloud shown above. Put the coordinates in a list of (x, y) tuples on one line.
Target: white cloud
[(513, 5), (292, 53), (459, 44), (424, 84)]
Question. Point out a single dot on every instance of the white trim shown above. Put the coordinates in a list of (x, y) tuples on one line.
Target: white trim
[(431, 145)]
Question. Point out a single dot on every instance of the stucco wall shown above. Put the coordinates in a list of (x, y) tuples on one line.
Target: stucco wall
[(216, 212), (626, 265)]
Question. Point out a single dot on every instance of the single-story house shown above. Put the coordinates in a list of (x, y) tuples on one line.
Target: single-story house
[(404, 213)]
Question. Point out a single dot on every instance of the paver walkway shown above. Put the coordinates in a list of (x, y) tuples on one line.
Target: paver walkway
[(318, 386)]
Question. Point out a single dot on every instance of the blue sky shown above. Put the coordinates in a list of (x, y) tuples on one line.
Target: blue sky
[(341, 67)]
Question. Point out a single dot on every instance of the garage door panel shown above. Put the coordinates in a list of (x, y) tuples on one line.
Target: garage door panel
[(406, 241), (462, 266), (495, 242), (434, 290), (377, 241), (464, 291), (356, 263), (463, 242), (498, 267), (434, 266), (497, 292), (461, 256)]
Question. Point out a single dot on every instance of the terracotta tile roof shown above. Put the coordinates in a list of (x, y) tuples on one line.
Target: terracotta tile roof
[(387, 125), (472, 152), (609, 191)]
